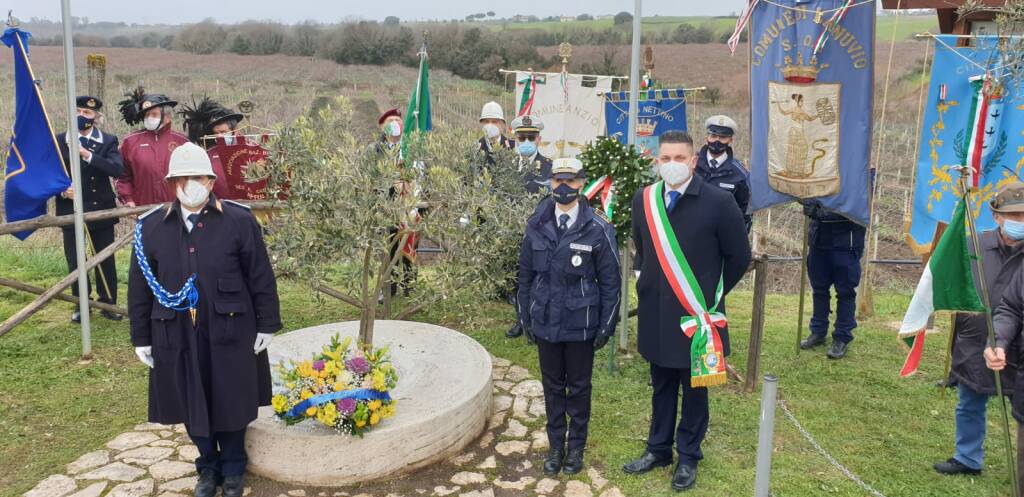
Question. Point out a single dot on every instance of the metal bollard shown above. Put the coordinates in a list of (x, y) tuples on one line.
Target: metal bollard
[(769, 396)]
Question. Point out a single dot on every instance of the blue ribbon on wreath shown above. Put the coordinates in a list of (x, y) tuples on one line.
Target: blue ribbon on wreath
[(357, 394)]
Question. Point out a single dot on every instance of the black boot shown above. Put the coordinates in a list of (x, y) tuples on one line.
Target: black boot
[(553, 463), (812, 340), (515, 331), (573, 462), (207, 484), (837, 350), (234, 485), (954, 467)]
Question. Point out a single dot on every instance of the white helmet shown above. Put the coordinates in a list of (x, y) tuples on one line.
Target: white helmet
[(492, 110), (189, 159)]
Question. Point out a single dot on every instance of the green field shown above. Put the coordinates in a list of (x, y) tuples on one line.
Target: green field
[(885, 429)]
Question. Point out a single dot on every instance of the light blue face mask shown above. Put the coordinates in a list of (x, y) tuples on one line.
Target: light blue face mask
[(1013, 229), (527, 148)]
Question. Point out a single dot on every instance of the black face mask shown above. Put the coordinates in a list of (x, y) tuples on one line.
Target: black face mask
[(565, 194), (716, 147), (85, 123)]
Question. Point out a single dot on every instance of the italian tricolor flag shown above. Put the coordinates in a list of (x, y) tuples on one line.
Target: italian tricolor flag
[(946, 285)]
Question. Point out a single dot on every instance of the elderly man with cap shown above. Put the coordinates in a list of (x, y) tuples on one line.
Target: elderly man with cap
[(100, 162), (1002, 254), (718, 166), (147, 152), (203, 305), (389, 144), (492, 120), (535, 167), (568, 305)]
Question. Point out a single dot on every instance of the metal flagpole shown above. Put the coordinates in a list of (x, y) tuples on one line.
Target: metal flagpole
[(76, 178)]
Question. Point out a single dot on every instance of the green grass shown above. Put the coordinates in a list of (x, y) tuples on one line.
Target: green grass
[(885, 429)]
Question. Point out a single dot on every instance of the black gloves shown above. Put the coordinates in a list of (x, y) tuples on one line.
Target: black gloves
[(600, 341)]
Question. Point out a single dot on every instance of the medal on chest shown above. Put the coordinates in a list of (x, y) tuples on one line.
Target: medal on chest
[(576, 260)]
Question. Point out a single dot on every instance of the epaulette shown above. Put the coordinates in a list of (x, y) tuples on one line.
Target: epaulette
[(154, 209), (238, 204)]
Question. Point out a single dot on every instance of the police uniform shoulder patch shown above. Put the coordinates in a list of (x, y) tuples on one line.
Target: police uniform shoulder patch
[(602, 215), (246, 207)]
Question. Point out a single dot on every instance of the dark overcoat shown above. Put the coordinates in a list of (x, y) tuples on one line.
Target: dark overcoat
[(97, 174), (206, 376), (711, 233)]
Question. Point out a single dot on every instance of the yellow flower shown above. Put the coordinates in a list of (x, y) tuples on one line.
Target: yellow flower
[(388, 410), (374, 418), (373, 405), (360, 423), (331, 368), (306, 369), (310, 412), (328, 414), (305, 394), (379, 381), (280, 403)]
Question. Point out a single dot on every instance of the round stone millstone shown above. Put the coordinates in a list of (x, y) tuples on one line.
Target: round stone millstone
[(444, 402)]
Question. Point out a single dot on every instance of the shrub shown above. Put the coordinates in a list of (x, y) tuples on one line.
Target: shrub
[(202, 38)]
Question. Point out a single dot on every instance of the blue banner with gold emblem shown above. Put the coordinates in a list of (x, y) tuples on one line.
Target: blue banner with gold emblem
[(972, 119), (35, 171), (812, 83), (660, 111)]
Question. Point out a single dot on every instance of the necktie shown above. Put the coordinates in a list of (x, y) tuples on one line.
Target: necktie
[(193, 219), (713, 162), (673, 197), (563, 223)]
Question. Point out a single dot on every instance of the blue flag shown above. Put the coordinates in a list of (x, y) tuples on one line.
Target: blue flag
[(969, 120), (35, 170), (660, 111), (812, 83)]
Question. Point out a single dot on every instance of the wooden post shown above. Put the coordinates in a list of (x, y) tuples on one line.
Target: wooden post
[(103, 306), (26, 312), (756, 322), (97, 67)]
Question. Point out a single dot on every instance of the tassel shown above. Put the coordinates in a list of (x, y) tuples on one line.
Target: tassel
[(192, 312), (709, 380)]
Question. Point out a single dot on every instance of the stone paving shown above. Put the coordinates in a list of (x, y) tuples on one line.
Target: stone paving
[(156, 460)]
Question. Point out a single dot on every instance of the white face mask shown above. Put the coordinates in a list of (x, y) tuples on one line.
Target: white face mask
[(394, 129), (229, 140), (491, 130), (152, 123), (193, 195), (675, 173)]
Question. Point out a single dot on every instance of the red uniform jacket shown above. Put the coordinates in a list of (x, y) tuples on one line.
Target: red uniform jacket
[(146, 157)]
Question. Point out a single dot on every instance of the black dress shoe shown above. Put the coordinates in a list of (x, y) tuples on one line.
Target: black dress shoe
[(113, 316), (515, 331), (207, 484), (684, 478), (647, 462), (812, 341), (573, 462), (837, 350), (553, 463), (234, 485), (76, 317), (954, 467)]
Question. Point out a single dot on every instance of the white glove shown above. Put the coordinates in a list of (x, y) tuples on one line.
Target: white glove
[(262, 342), (637, 273), (145, 355)]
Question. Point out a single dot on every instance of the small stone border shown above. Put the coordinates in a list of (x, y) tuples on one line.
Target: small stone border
[(156, 460)]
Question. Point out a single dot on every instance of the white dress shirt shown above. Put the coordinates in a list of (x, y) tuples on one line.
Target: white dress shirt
[(573, 213)]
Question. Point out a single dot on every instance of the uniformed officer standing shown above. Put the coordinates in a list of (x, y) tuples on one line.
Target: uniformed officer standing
[(568, 305), (833, 259), (147, 152), (492, 120), (535, 167), (718, 166), (707, 237), (100, 162), (206, 342)]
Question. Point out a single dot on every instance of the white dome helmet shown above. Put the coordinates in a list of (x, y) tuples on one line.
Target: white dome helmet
[(492, 110), (189, 159)]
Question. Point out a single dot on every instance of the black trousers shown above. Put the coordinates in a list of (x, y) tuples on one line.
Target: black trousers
[(692, 425), (106, 272), (223, 452), (565, 370), (839, 268)]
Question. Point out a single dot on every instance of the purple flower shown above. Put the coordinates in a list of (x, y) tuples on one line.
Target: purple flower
[(358, 365), (346, 407), (318, 365)]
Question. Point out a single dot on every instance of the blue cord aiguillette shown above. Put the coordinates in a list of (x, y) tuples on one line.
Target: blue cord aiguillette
[(186, 298)]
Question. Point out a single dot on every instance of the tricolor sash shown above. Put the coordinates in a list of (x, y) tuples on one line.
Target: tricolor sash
[(603, 186), (707, 356)]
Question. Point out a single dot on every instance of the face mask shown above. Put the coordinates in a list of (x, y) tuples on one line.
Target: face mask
[(152, 123), (229, 140), (674, 173), (565, 194), (85, 123), (527, 148), (491, 130), (716, 147), (1013, 229), (193, 195), (394, 129)]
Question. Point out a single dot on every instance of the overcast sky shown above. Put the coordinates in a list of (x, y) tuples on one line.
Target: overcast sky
[(228, 11)]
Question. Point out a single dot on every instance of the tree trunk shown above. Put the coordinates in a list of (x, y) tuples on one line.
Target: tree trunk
[(366, 317)]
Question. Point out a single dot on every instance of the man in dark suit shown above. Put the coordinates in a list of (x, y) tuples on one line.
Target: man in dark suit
[(709, 230), (100, 163)]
